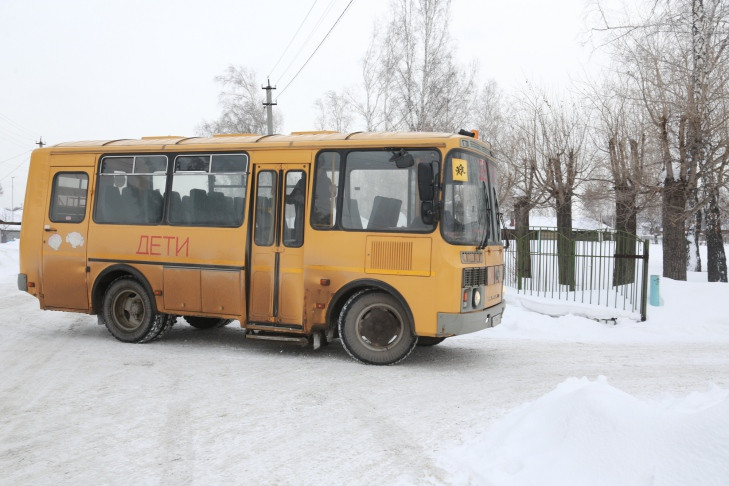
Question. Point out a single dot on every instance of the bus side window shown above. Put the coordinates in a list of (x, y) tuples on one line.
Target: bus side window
[(68, 197), (265, 213), (294, 210), (326, 179)]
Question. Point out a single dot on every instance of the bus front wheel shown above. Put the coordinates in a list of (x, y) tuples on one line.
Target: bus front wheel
[(129, 314), (375, 328)]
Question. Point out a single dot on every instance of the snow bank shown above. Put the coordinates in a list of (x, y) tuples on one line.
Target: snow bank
[(691, 311), (588, 432)]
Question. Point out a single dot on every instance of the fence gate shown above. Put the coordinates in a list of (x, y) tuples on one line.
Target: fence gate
[(600, 267)]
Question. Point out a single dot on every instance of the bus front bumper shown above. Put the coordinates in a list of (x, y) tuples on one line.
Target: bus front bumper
[(455, 324)]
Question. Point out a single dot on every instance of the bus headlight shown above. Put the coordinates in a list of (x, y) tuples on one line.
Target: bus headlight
[(476, 300)]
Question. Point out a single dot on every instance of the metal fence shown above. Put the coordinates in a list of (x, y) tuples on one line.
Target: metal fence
[(599, 267)]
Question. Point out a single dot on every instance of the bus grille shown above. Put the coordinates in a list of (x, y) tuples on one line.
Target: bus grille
[(474, 277)]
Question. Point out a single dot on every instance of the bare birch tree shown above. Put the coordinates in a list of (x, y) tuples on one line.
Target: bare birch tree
[(241, 101), (416, 83), (676, 57), (335, 112), (559, 160)]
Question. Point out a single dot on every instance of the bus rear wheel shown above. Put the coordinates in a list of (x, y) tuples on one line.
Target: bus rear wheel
[(375, 328), (206, 322), (129, 314)]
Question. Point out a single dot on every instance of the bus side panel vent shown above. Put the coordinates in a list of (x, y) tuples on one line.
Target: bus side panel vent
[(398, 256)]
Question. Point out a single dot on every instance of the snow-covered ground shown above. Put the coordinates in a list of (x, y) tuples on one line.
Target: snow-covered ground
[(538, 400)]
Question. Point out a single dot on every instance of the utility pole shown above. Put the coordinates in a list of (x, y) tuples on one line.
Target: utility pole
[(12, 199), (269, 106), (40, 143)]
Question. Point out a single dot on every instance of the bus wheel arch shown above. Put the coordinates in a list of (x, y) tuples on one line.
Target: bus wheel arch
[(375, 324), (105, 279), (130, 314), (341, 297)]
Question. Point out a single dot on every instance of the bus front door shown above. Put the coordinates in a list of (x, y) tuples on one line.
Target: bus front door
[(64, 277), (277, 253)]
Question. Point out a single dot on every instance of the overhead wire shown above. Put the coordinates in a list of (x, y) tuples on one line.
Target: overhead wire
[(15, 133), (17, 125), (315, 50), (308, 38), (15, 156), (286, 49), (16, 167)]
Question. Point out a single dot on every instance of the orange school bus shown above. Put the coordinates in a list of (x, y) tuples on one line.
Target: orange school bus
[(383, 240)]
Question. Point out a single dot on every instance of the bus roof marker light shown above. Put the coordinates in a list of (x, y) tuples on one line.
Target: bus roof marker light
[(466, 133)]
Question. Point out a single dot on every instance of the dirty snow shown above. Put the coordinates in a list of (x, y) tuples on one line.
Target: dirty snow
[(539, 400)]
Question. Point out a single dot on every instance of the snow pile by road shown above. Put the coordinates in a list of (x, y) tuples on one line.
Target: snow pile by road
[(588, 432), (691, 311)]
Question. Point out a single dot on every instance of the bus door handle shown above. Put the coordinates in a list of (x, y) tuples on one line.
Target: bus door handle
[(48, 228)]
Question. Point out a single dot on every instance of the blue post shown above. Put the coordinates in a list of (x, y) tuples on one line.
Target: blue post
[(655, 290)]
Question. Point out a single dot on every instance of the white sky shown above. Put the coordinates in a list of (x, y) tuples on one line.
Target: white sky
[(87, 69)]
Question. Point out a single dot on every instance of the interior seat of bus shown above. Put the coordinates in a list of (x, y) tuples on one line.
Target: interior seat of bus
[(385, 213)]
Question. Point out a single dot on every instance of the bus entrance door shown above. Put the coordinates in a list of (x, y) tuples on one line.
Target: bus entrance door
[(277, 254), (66, 222)]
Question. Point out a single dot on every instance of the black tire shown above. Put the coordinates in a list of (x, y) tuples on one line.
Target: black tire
[(375, 328), (206, 322), (129, 314), (429, 341)]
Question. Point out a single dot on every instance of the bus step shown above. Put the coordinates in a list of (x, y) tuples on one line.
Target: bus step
[(302, 341)]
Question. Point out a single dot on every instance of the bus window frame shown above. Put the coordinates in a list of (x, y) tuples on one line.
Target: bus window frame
[(133, 156), (342, 182), (54, 188), (479, 153), (171, 180)]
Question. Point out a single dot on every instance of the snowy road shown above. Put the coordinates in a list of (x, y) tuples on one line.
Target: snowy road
[(203, 407)]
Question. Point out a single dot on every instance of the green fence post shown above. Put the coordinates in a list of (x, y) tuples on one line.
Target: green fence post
[(644, 284)]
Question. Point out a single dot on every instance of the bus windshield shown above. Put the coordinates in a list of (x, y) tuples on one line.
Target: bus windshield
[(468, 216)]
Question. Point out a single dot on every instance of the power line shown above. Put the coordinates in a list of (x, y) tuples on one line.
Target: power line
[(8, 137), (15, 156), (17, 125), (292, 38), (315, 50), (14, 168), (308, 38)]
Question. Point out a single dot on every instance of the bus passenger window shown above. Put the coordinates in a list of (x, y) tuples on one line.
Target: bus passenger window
[(130, 189), (208, 190), (293, 226), (265, 208), (324, 207), (68, 197)]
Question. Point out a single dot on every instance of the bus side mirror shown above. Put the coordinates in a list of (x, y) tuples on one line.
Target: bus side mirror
[(426, 182), (427, 212)]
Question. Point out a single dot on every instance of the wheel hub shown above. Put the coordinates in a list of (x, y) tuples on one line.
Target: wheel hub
[(379, 327)]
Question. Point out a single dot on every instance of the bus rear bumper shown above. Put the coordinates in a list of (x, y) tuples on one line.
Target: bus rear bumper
[(456, 324)]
